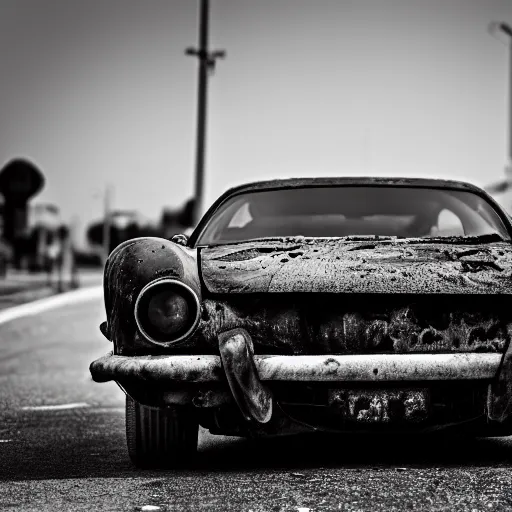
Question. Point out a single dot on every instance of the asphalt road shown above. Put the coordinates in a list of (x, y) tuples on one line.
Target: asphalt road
[(74, 457)]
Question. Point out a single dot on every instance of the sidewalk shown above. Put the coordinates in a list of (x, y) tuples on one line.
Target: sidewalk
[(19, 287)]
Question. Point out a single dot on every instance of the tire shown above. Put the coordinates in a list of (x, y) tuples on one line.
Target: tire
[(160, 437)]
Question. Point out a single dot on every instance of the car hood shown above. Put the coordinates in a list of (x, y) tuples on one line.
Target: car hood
[(398, 266)]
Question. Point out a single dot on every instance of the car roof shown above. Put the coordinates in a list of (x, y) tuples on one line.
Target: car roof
[(287, 183)]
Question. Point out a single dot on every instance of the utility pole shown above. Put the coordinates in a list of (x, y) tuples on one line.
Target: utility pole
[(206, 62), (507, 30), (506, 184)]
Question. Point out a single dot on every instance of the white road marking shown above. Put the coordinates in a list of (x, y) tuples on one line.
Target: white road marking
[(60, 407), (150, 507), (5, 440), (38, 306)]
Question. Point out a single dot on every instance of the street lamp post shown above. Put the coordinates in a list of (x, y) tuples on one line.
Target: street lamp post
[(206, 61)]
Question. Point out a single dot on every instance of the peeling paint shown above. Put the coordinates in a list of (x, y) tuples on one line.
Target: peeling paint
[(346, 266)]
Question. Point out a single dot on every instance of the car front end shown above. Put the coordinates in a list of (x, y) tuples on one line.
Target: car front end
[(282, 335)]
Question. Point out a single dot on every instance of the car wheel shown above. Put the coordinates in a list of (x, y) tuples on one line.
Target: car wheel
[(160, 437)]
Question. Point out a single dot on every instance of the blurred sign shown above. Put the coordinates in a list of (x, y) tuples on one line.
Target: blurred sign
[(20, 180)]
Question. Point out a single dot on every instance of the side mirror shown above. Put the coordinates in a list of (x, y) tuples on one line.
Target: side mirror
[(180, 239)]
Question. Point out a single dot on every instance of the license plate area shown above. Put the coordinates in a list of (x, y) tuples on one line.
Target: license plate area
[(399, 405)]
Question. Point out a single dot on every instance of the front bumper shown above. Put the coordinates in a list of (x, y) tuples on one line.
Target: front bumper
[(324, 368), (260, 384)]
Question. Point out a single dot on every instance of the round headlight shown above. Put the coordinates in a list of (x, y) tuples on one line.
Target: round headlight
[(167, 311)]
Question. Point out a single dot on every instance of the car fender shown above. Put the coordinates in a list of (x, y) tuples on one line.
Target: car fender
[(130, 267)]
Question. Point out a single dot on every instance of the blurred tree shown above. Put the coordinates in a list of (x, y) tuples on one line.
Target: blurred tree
[(119, 234), (177, 221), (186, 216), (172, 221)]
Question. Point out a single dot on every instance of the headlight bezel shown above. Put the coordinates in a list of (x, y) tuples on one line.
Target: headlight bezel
[(150, 290)]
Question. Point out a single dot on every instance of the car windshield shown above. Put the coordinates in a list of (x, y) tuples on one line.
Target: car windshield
[(344, 211)]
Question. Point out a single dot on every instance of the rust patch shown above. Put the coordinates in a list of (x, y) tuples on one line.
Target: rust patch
[(478, 266), (167, 272), (381, 405), (256, 252), (470, 252), (329, 325), (362, 247)]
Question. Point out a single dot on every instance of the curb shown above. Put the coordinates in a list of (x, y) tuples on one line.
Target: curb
[(55, 301)]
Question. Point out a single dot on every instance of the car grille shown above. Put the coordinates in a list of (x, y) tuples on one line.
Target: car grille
[(333, 324)]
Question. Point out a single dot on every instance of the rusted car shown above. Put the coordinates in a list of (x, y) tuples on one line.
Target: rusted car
[(300, 305)]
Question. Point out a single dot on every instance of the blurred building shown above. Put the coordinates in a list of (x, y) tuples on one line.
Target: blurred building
[(501, 191), (123, 219), (44, 221), (122, 225), (44, 215), (1, 216), (176, 221), (5, 247)]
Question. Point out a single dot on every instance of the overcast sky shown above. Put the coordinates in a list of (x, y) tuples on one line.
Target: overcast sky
[(100, 91)]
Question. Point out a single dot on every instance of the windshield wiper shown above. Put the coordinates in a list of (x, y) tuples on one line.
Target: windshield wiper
[(472, 239)]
